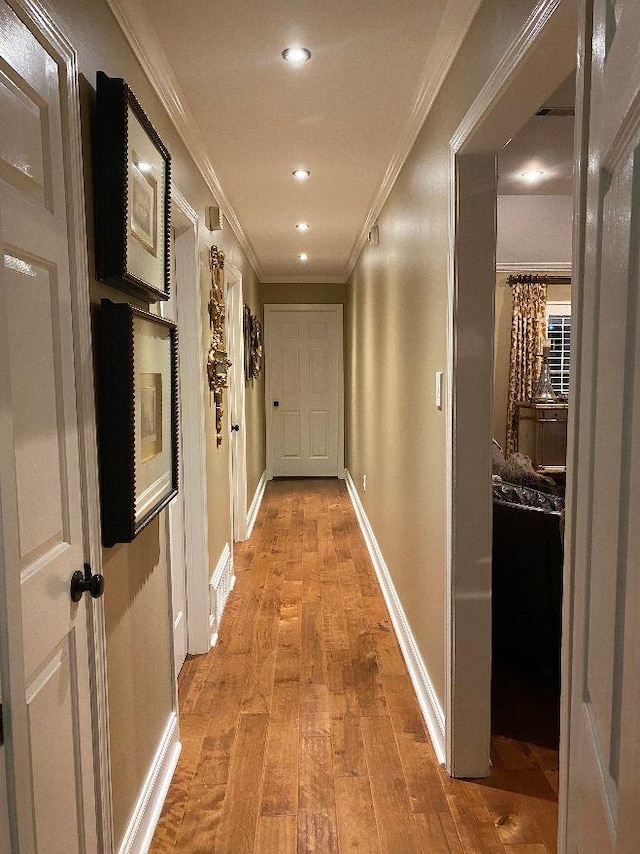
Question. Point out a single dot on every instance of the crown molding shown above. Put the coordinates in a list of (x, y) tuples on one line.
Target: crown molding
[(302, 280), (142, 37), (529, 267), (453, 28), (506, 71)]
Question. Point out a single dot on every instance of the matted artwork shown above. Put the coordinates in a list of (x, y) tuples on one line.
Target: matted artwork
[(133, 194), (137, 418)]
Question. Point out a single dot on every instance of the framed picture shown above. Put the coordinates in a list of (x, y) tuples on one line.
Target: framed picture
[(137, 418), (132, 186)]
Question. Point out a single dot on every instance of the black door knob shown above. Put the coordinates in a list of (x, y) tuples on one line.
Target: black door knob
[(86, 582), (276, 403), (235, 428)]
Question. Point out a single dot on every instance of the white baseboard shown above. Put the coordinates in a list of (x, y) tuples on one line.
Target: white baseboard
[(252, 513), (430, 706), (220, 585), (142, 824)]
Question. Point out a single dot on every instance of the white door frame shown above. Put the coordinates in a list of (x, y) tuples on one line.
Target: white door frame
[(192, 400), (38, 19), (539, 59), (269, 310), (237, 439)]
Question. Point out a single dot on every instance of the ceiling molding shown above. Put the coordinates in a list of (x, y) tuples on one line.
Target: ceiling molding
[(142, 37), (547, 16), (303, 280), (529, 267), (453, 28)]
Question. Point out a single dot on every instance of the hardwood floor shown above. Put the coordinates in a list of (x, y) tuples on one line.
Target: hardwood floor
[(300, 729)]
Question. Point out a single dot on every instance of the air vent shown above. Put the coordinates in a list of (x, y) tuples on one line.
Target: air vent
[(556, 111)]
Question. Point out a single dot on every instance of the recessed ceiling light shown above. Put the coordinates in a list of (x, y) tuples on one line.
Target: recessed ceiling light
[(532, 175), (303, 226), (303, 256), (301, 174), (296, 55)]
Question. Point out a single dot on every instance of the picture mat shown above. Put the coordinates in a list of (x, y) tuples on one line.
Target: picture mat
[(143, 210), (152, 355), (140, 261), (150, 415)]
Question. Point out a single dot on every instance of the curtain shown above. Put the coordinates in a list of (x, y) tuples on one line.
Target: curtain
[(527, 334)]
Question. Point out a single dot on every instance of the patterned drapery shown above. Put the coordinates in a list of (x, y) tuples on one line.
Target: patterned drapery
[(527, 333)]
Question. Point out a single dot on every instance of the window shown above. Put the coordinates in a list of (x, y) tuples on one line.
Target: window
[(559, 335)]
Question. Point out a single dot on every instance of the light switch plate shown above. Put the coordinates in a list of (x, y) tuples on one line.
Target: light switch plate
[(439, 389)]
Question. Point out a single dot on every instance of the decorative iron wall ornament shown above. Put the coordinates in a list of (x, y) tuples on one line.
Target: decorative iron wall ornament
[(217, 362), (252, 345)]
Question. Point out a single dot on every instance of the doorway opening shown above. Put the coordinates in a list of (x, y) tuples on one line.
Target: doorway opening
[(187, 518), (540, 60), (237, 434)]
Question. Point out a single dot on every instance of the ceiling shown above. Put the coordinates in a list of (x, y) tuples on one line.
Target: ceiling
[(350, 115), (545, 144)]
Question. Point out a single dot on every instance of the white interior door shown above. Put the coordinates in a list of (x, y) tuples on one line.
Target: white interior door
[(603, 750), (304, 405), (238, 436), (46, 691)]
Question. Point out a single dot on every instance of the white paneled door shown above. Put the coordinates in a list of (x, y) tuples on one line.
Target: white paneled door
[(43, 633), (303, 352), (603, 750)]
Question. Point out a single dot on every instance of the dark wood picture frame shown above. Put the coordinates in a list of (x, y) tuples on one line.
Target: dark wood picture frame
[(133, 416), (132, 195)]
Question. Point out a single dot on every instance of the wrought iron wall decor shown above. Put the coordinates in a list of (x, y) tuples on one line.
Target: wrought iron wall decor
[(217, 362), (252, 345)]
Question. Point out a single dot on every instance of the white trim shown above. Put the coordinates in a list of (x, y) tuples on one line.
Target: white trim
[(488, 124), (303, 280), (270, 309), (224, 561), (194, 452), (141, 827), (234, 303), (427, 697), (147, 47), (476, 123), (452, 29), (252, 513), (528, 267), (221, 584)]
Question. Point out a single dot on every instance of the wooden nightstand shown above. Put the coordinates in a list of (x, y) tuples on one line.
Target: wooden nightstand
[(542, 434)]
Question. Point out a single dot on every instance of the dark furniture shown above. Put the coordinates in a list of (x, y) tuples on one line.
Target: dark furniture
[(527, 579)]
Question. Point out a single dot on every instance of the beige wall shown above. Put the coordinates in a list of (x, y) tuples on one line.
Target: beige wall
[(502, 347), (302, 294), (138, 625), (396, 341)]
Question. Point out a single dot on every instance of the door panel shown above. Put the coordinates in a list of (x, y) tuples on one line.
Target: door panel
[(604, 733), (304, 405), (41, 528)]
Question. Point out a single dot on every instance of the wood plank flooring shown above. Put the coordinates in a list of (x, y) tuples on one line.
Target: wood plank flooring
[(300, 729)]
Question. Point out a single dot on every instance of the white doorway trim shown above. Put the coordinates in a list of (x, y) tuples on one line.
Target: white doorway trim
[(540, 58), (192, 386), (237, 438)]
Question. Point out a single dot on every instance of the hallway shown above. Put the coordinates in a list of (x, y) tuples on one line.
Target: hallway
[(300, 729)]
